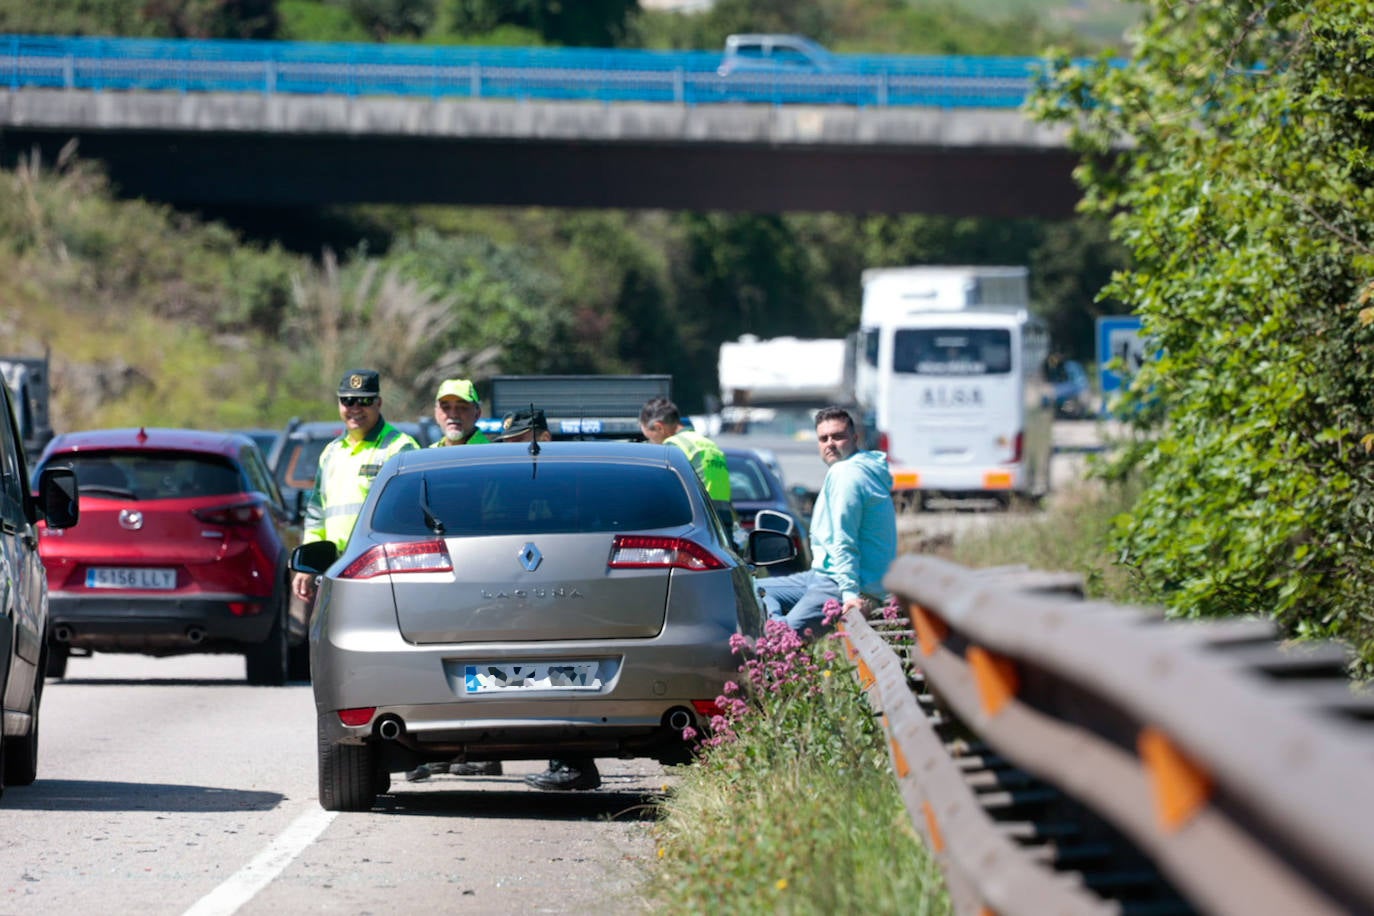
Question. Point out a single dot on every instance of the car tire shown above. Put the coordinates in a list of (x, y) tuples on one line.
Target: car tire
[(348, 774), (56, 665), (298, 662), (266, 661), (21, 751), (381, 783)]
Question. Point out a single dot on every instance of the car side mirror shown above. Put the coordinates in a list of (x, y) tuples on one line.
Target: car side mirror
[(57, 497), (769, 548), (773, 520), (314, 558)]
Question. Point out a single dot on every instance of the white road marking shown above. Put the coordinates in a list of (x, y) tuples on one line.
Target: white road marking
[(244, 884)]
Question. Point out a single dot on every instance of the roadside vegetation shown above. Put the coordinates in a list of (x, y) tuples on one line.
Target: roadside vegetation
[(1234, 159), (792, 806)]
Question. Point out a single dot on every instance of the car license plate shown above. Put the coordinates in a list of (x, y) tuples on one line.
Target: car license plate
[(502, 676), (130, 577)]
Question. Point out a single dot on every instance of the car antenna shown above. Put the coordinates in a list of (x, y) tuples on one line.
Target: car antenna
[(534, 434)]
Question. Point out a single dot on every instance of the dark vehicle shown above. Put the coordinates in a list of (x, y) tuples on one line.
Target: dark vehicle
[(265, 439), (754, 486), (1073, 395), (519, 601), (24, 602), (182, 547), (297, 454)]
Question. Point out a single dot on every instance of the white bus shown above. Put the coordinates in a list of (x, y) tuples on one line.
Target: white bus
[(950, 369)]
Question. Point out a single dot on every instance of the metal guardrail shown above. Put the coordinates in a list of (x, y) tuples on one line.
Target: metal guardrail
[(1067, 756), (684, 77)]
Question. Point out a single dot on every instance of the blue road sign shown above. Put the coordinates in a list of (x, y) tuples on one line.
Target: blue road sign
[(1118, 338)]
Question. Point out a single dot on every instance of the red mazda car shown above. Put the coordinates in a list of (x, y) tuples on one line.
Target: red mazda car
[(182, 547)]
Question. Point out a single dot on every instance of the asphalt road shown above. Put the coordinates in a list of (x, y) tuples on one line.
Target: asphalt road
[(169, 786)]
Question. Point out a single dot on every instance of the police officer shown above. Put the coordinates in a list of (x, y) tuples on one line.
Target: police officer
[(348, 466), (456, 409), (661, 424)]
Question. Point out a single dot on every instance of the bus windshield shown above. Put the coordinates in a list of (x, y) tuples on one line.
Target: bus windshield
[(952, 351)]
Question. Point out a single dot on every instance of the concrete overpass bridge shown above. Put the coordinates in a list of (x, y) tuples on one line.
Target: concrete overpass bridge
[(272, 124)]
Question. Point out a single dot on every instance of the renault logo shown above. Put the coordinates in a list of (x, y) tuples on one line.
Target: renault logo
[(530, 557), (131, 519)]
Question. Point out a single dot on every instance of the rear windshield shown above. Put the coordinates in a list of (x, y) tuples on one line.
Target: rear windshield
[(524, 498), (952, 351), (153, 475)]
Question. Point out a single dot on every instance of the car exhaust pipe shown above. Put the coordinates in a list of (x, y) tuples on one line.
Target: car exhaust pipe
[(390, 728), (62, 633), (679, 718), (196, 635)]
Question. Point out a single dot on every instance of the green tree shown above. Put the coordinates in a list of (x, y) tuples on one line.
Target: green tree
[(1233, 157), (212, 18), (392, 19), (589, 23)]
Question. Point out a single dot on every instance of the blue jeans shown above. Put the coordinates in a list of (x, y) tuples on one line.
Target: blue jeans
[(800, 599)]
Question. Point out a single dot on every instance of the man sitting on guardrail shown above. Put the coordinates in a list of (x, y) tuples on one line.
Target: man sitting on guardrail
[(853, 532)]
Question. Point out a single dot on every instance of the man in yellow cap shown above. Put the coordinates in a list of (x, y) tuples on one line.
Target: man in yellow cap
[(456, 409)]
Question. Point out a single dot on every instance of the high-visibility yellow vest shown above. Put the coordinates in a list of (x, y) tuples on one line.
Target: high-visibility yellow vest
[(707, 459), (344, 478)]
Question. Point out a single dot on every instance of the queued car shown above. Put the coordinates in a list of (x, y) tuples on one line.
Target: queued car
[(24, 596), (265, 439), (1073, 394), (520, 601), (296, 455), (756, 486), (182, 547)]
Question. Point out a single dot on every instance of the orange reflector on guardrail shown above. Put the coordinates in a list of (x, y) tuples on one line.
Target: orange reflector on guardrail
[(937, 840), (996, 678), (930, 630), (1181, 786)]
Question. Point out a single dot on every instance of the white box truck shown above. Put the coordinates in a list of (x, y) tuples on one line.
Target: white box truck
[(951, 370), (770, 390)]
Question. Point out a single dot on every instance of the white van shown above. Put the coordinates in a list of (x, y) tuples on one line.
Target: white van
[(950, 369)]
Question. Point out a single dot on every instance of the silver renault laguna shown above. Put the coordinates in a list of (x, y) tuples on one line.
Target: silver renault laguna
[(524, 601)]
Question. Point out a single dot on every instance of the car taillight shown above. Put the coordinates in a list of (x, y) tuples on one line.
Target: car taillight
[(355, 717), (1016, 446), (249, 513), (244, 608), (407, 557), (638, 551), (707, 708)]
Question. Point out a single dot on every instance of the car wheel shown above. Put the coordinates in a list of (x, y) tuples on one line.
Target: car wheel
[(21, 752), (381, 783), (266, 662), (56, 666), (298, 662), (348, 775)]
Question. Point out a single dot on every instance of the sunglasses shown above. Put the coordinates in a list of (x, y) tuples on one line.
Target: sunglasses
[(357, 402)]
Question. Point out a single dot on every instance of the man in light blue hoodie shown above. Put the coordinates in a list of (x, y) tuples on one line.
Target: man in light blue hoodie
[(853, 532)]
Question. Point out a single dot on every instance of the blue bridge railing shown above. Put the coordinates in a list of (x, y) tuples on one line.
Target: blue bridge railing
[(687, 78)]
